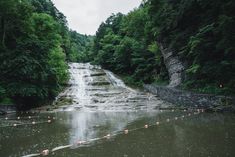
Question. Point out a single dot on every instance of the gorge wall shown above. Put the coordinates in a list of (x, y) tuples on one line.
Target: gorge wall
[(174, 66)]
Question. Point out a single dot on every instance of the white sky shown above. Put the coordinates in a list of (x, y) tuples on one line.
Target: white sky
[(85, 16)]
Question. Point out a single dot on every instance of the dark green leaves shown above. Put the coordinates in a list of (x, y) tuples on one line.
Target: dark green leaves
[(33, 66)]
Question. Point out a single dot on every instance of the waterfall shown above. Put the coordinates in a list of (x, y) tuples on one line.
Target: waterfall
[(93, 89), (116, 81)]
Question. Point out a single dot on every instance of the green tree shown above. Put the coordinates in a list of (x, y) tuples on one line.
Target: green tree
[(33, 66)]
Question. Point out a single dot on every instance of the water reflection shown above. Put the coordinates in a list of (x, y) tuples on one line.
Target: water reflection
[(98, 95), (88, 125), (200, 135)]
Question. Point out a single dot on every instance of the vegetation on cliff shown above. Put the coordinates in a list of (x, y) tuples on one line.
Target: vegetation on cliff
[(200, 33)]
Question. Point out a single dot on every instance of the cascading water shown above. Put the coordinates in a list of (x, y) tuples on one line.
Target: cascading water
[(116, 81), (78, 84), (94, 89)]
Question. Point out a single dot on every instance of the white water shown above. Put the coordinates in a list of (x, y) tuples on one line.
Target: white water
[(116, 81), (94, 89), (77, 73)]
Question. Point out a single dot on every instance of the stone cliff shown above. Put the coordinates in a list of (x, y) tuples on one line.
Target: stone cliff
[(174, 66)]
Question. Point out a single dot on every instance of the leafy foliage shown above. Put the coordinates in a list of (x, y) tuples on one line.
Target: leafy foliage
[(201, 33), (123, 44), (35, 45), (78, 47)]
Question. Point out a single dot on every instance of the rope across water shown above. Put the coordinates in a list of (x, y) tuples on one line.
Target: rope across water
[(17, 121), (126, 131)]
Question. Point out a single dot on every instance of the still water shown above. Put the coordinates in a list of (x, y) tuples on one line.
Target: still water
[(102, 105), (200, 135)]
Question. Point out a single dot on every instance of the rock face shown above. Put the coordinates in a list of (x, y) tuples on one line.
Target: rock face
[(193, 100), (174, 66)]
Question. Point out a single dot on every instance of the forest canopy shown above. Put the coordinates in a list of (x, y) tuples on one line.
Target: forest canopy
[(35, 46), (200, 33)]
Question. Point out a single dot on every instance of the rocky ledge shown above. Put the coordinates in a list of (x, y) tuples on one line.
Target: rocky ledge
[(189, 99)]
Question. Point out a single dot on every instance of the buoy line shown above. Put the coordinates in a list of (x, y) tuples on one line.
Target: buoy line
[(20, 112), (21, 118), (26, 117), (19, 123), (23, 124), (80, 143), (26, 114)]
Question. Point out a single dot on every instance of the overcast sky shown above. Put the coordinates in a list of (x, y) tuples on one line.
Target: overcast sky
[(85, 16)]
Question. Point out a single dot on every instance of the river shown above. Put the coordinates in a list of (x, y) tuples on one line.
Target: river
[(106, 118)]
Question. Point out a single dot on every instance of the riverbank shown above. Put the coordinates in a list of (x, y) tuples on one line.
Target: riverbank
[(188, 99), (7, 109)]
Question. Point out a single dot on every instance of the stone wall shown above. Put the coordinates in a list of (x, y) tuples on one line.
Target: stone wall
[(190, 99)]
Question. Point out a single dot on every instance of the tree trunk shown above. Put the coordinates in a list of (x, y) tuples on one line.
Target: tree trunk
[(174, 66)]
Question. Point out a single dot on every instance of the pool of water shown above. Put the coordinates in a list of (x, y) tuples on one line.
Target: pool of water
[(105, 118), (200, 135)]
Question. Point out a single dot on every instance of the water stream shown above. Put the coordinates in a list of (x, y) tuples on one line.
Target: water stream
[(95, 89), (102, 104)]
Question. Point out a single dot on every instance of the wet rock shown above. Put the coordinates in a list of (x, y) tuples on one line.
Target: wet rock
[(64, 101), (98, 74), (98, 101), (95, 101), (49, 109), (2, 112), (106, 94), (77, 108), (90, 106), (97, 89), (99, 83), (183, 98), (120, 101), (138, 98)]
